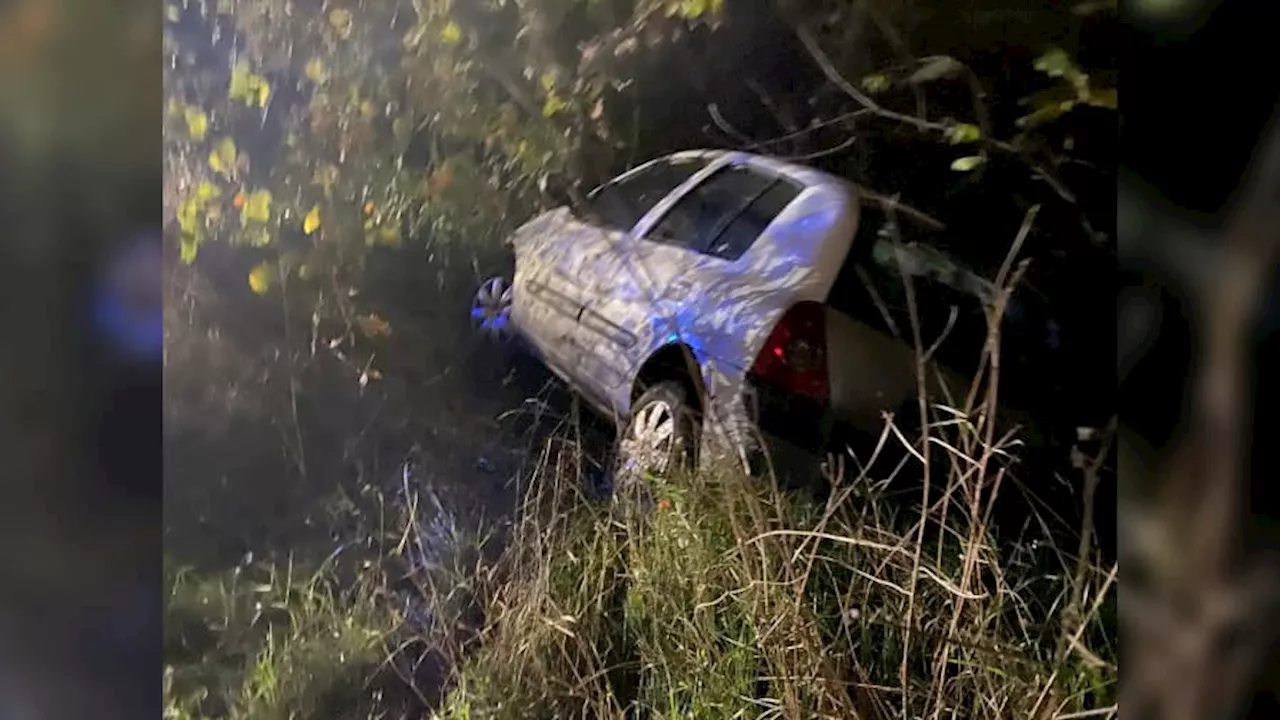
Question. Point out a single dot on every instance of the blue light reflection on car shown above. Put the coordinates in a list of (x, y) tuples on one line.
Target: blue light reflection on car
[(489, 322)]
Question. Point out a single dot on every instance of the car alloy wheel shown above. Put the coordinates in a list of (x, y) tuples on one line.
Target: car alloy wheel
[(659, 437), (491, 309)]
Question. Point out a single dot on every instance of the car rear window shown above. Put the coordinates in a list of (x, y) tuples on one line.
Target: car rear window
[(741, 232), (725, 213)]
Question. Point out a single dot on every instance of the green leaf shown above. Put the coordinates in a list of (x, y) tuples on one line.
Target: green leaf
[(1045, 113), (197, 123), (1056, 63), (876, 83), (961, 133), (967, 163), (257, 207)]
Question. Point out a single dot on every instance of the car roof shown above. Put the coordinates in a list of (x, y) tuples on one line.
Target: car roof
[(803, 173)]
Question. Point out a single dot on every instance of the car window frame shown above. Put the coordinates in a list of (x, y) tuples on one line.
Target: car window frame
[(646, 168)]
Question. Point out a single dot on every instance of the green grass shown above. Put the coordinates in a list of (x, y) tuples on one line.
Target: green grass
[(267, 644)]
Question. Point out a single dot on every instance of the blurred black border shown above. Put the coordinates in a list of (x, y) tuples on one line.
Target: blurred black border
[(80, 412), (1197, 94)]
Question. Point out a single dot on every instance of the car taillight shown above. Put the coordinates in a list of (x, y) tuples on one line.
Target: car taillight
[(794, 357)]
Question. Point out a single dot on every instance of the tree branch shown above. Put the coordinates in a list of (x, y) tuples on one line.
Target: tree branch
[(921, 124)]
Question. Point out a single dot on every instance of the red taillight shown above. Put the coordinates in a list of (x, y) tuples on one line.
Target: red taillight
[(795, 355)]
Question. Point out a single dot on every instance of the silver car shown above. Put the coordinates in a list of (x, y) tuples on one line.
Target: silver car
[(708, 300)]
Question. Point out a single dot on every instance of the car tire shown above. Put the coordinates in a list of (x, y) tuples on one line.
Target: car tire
[(660, 436)]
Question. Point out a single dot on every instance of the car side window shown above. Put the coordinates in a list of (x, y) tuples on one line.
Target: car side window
[(703, 215), (620, 204)]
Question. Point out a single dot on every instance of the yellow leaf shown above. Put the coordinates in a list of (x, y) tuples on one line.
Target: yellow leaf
[(315, 70), (264, 94), (172, 13), (257, 207), (451, 34), (188, 247), (197, 123), (553, 105), (222, 159), (207, 191), (242, 86), (189, 215), (965, 164), (366, 109), (312, 221), (260, 278)]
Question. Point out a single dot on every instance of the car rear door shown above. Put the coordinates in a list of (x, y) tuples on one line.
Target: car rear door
[(650, 290), (565, 268)]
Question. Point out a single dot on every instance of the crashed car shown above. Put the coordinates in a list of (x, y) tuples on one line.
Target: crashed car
[(721, 304)]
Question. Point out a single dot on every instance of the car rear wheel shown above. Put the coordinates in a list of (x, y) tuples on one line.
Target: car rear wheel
[(661, 436)]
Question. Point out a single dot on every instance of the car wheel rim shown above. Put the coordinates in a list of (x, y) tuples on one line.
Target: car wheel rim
[(648, 444), (491, 308)]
